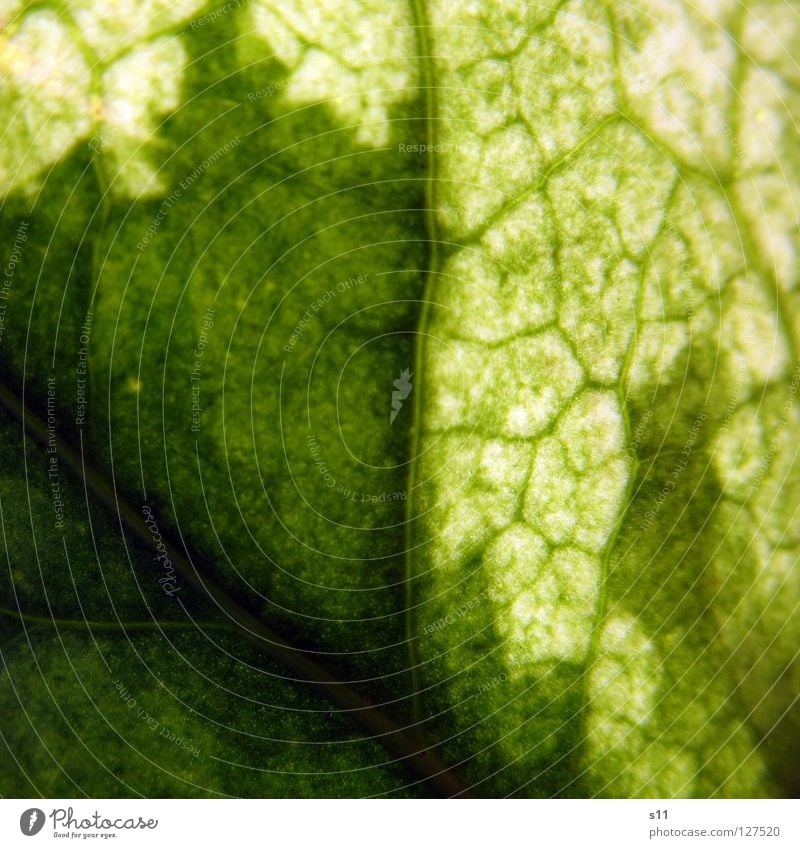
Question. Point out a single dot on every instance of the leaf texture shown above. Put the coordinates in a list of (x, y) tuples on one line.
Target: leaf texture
[(399, 398)]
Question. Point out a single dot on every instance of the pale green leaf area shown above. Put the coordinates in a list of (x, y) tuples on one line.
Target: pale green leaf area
[(564, 558), (617, 321)]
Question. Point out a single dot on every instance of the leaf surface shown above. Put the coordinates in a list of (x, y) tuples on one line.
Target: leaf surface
[(450, 348), (609, 453)]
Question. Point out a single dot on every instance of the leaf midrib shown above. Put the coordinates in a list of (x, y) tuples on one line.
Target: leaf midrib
[(422, 30)]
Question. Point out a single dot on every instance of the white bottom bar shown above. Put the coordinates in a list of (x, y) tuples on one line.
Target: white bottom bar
[(400, 824)]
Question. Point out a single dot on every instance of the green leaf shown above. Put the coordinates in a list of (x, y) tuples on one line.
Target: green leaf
[(400, 398), (610, 425)]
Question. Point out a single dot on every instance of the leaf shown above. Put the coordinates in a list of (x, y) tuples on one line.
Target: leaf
[(609, 460), (420, 381), (96, 294)]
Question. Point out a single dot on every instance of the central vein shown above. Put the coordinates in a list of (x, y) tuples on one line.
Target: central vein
[(427, 84)]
